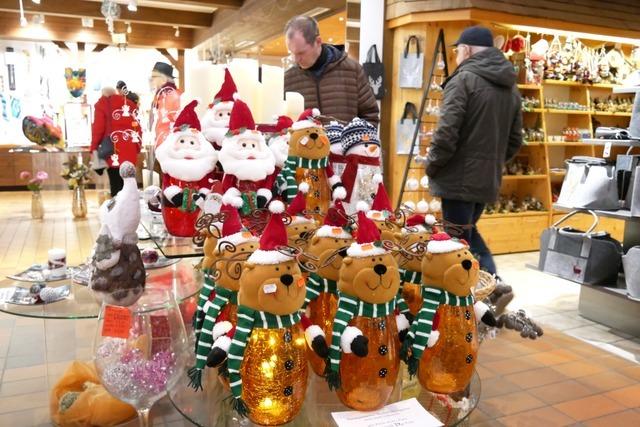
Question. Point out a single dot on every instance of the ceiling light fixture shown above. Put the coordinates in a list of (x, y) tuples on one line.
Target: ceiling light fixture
[(36, 1), (177, 33), (133, 6), (23, 19)]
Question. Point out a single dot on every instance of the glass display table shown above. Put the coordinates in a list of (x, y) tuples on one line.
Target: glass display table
[(170, 246), (211, 407)]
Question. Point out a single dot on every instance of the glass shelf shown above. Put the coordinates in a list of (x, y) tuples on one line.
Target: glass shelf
[(182, 278), (170, 246), (212, 406)]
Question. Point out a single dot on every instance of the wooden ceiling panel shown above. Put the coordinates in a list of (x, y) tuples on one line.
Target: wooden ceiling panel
[(68, 29), (91, 9)]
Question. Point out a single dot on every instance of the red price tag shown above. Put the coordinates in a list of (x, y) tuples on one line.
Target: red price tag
[(117, 322)]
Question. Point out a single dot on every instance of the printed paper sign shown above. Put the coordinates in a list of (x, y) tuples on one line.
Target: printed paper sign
[(117, 322), (406, 413)]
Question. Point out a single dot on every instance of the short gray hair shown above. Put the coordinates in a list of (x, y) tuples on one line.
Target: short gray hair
[(306, 25)]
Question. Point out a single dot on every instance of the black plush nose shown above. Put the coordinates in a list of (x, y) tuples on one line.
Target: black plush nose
[(343, 253), (286, 279), (380, 269), (313, 135), (304, 234), (466, 264)]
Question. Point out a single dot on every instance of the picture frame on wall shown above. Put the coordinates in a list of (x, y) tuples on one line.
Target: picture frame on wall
[(77, 124)]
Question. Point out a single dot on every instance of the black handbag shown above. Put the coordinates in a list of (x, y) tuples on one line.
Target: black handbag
[(585, 257), (374, 69), (105, 148)]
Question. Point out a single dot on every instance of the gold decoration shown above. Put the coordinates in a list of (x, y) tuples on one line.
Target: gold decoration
[(319, 194), (322, 310), (367, 382), (79, 202), (448, 366), (274, 375), (37, 207)]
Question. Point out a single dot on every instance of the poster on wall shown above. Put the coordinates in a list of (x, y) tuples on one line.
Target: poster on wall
[(77, 124)]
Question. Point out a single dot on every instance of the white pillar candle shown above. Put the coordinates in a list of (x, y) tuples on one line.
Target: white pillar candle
[(57, 262), (295, 104), (273, 104), (245, 74)]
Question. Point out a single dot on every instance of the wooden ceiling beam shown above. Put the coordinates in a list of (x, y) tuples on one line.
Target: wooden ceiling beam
[(91, 9), (69, 29), (218, 4)]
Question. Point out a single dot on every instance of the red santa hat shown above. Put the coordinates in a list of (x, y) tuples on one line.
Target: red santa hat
[(421, 218), (273, 237), (298, 205), (224, 97), (187, 119), (307, 119), (335, 223), (368, 236), (442, 243), (232, 229), (282, 125), (381, 206), (241, 124)]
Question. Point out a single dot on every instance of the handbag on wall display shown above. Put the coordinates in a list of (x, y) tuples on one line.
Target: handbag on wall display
[(590, 183), (631, 266), (406, 128), (411, 65), (626, 175), (589, 257), (374, 69)]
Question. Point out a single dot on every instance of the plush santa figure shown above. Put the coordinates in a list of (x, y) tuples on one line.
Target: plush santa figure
[(381, 207), (247, 160), (361, 147), (215, 122), (187, 160), (336, 156)]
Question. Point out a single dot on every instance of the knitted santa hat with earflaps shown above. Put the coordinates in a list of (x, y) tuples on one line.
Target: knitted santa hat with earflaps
[(420, 218), (367, 237), (335, 223), (307, 119), (381, 207), (241, 123), (273, 237), (224, 98), (232, 228), (298, 205)]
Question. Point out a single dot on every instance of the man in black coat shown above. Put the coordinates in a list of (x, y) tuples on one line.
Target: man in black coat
[(480, 128)]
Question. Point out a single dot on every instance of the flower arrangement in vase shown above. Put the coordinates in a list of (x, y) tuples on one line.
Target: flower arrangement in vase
[(77, 176), (34, 184)]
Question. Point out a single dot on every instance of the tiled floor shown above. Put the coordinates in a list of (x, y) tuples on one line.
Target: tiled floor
[(579, 373)]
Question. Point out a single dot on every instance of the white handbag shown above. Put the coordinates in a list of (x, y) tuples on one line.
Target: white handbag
[(411, 65), (590, 183), (631, 266)]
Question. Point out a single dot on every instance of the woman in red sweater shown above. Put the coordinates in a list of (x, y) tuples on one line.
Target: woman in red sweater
[(113, 117)]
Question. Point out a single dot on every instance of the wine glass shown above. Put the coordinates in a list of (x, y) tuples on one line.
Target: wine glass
[(141, 350)]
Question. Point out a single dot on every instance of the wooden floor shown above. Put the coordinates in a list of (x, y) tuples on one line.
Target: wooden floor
[(557, 380)]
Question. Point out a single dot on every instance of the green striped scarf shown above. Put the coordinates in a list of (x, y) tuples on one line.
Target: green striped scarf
[(432, 298), (317, 285), (205, 293), (348, 308), (287, 176), (248, 319), (211, 311), (407, 276)]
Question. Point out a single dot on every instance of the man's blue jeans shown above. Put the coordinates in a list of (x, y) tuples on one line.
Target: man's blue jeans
[(468, 213)]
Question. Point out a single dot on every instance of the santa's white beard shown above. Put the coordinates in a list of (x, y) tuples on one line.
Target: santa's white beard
[(188, 170), (215, 134), (246, 170), (279, 145)]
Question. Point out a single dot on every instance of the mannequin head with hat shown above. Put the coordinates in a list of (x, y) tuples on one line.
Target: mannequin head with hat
[(161, 74), (472, 40)]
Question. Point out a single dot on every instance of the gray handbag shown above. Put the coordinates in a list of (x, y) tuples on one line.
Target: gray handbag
[(411, 65), (631, 265), (590, 183), (589, 257)]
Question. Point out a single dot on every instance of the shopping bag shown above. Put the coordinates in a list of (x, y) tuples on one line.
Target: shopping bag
[(584, 257), (374, 69), (406, 128), (597, 188), (631, 266), (411, 65)]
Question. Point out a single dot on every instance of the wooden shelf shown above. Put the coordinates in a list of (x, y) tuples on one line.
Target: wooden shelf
[(529, 87), (533, 110), (559, 111), (515, 214), (578, 84), (568, 144), (623, 214), (604, 113), (522, 177), (532, 143)]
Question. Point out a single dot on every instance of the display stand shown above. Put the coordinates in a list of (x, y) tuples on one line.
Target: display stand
[(212, 407), (609, 304)]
